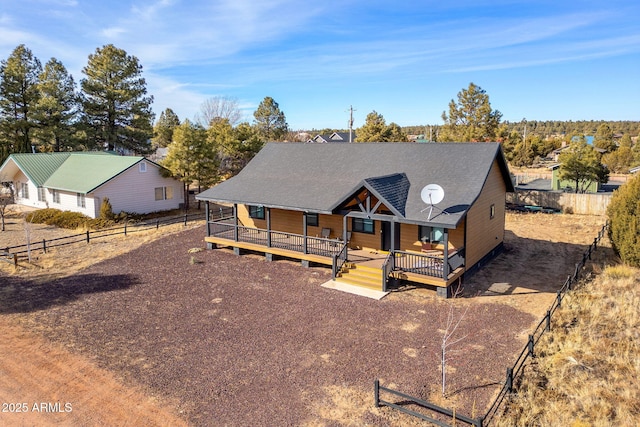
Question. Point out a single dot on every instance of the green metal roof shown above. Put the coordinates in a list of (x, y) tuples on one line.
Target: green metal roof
[(37, 167), (84, 172)]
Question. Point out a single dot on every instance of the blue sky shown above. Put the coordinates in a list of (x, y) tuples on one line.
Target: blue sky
[(537, 59)]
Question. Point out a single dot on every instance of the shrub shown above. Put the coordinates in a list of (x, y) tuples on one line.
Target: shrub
[(58, 218), (106, 210), (42, 216), (624, 222)]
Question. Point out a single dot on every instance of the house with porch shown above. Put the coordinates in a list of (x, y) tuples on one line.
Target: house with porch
[(360, 209)]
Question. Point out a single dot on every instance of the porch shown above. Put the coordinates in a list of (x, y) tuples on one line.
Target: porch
[(433, 268)]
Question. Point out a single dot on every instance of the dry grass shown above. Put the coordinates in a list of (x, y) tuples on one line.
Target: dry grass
[(588, 366)]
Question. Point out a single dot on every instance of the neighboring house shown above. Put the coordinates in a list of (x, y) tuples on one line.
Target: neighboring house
[(334, 137), (569, 185), (349, 205), (79, 181)]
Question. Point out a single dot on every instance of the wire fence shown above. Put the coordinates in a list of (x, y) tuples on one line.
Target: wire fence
[(513, 373)]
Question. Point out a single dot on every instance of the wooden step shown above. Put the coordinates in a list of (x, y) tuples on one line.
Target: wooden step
[(357, 275)]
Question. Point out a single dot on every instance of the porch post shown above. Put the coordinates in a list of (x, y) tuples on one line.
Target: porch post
[(345, 228), (393, 242), (235, 222), (304, 232), (445, 264), (268, 227), (207, 213)]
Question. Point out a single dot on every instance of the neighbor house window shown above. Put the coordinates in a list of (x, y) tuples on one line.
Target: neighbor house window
[(312, 219), (428, 234), (55, 195), (142, 167), (164, 193), (80, 200), (24, 190), (256, 212), (42, 194), (362, 225), (492, 211)]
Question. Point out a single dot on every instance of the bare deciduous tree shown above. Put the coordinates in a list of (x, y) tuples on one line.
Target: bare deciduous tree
[(449, 336), (219, 107)]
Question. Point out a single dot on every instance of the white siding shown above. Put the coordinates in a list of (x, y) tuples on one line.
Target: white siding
[(134, 191), (32, 201), (69, 202)]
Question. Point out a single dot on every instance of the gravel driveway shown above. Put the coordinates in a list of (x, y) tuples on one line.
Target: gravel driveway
[(241, 341)]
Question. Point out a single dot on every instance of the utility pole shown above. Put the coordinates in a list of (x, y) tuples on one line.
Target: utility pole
[(351, 110)]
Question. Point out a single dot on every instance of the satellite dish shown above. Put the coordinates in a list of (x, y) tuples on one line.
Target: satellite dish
[(432, 194)]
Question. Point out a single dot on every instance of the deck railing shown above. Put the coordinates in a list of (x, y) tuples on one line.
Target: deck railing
[(277, 239), (427, 264)]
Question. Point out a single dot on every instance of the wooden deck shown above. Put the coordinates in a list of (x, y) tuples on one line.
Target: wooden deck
[(270, 250), (365, 258)]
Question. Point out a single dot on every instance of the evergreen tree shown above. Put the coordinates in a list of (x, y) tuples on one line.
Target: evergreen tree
[(57, 108), (471, 119), (19, 95), (375, 129), (190, 157), (604, 138), (624, 221), (270, 121), (236, 146), (164, 127), (620, 160), (117, 111), (581, 165)]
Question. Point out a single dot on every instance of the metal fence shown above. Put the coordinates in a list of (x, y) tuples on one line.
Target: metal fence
[(513, 372)]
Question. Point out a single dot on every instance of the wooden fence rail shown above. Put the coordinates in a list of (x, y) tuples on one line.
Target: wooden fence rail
[(14, 252), (514, 371)]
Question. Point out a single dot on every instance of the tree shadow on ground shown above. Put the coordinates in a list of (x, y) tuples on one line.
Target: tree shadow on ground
[(18, 295)]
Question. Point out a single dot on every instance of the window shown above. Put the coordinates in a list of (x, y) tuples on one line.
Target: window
[(42, 194), (312, 219), (80, 200), (24, 190), (492, 211), (55, 194), (256, 212), (428, 234), (362, 225), (142, 167), (164, 193)]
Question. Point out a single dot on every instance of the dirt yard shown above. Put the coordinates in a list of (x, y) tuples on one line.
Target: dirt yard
[(209, 338)]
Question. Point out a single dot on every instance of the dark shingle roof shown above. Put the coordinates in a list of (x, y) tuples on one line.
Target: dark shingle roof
[(319, 177)]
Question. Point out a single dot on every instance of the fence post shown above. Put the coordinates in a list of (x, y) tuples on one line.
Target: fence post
[(44, 246), (509, 382), (185, 220), (376, 393), (531, 345), (125, 228), (559, 298), (88, 236), (548, 327), (157, 224)]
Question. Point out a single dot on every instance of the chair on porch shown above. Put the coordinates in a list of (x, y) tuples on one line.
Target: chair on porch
[(326, 232)]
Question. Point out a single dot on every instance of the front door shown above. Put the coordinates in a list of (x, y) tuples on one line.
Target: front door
[(386, 236)]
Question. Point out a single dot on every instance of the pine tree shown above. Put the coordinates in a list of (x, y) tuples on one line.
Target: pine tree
[(624, 221), (471, 119), (164, 127), (57, 108), (375, 129), (19, 95), (117, 110), (270, 121)]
